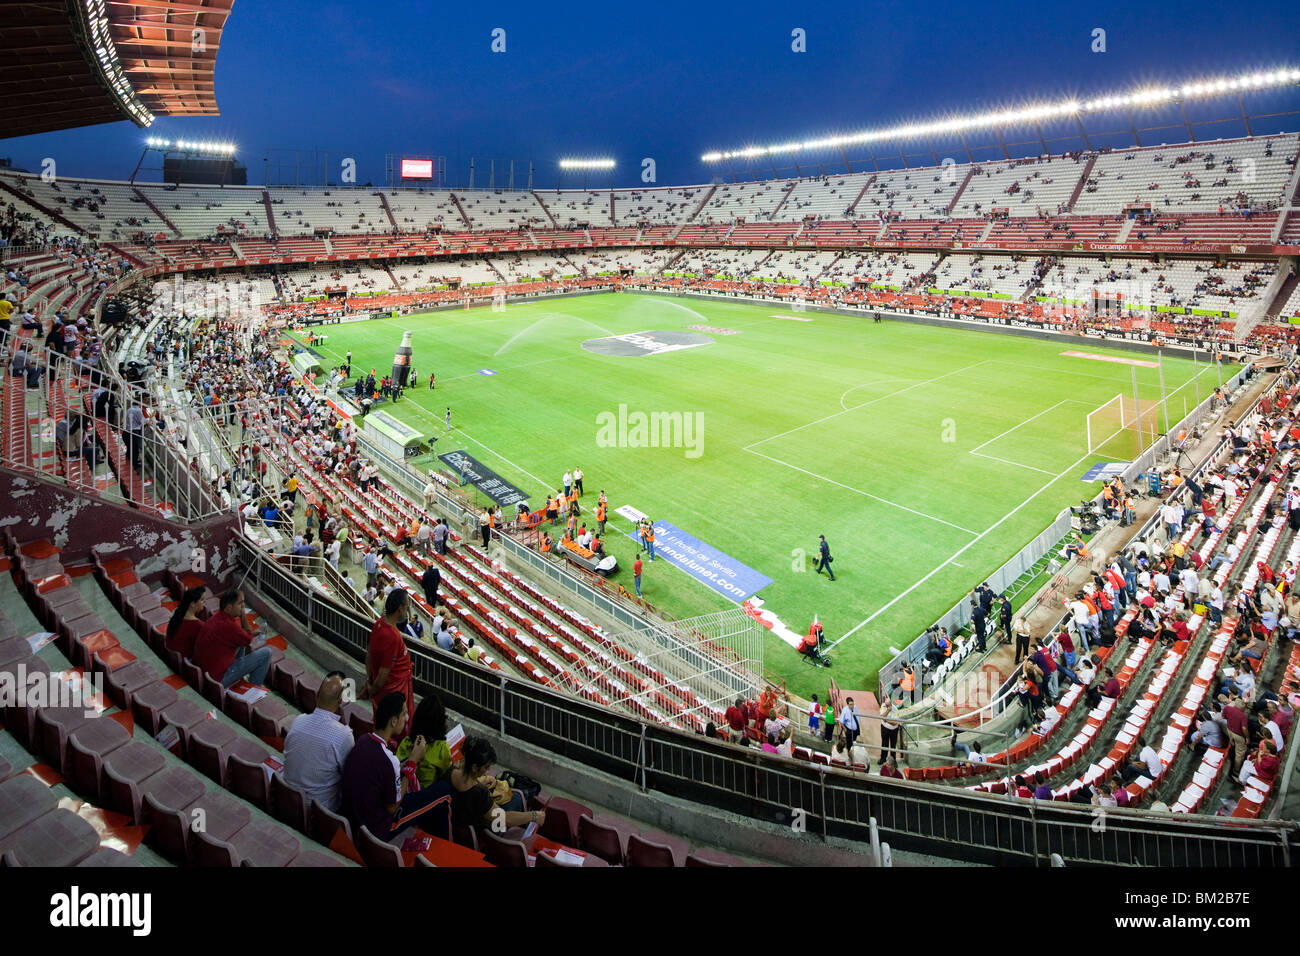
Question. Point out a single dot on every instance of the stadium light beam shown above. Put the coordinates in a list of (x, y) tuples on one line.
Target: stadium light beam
[(206, 147), (1143, 96)]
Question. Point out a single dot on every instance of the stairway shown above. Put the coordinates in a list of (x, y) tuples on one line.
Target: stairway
[(388, 210), (1083, 181), (461, 209), (1124, 230), (129, 257), (270, 213), (862, 192), (694, 212), (672, 261), (1279, 298), (970, 173), (781, 204), (44, 209), (554, 225), (161, 215), (239, 253), (1279, 226)]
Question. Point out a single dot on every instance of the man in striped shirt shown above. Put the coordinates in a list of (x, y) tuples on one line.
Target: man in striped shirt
[(317, 746)]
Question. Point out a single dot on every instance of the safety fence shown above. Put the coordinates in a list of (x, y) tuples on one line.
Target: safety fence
[(815, 800)]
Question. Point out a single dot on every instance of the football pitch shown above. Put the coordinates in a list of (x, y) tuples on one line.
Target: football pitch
[(926, 456)]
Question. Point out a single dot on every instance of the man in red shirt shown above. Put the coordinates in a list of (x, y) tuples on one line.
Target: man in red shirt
[(636, 575), (1111, 688), (221, 649), (388, 665), (735, 717), (1235, 717)]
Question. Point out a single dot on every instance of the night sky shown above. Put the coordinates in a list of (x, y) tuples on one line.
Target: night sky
[(663, 79)]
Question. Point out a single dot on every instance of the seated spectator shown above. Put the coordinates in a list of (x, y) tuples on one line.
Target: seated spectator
[(890, 769), (1104, 795), (1210, 730), (430, 722), (1146, 762), (222, 646), (1041, 790), (444, 637), (1238, 681), (187, 620), (384, 795), (317, 746), (1262, 764), (1111, 688), (477, 797)]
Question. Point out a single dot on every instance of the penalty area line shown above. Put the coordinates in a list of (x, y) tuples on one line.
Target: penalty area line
[(859, 491), (960, 552)]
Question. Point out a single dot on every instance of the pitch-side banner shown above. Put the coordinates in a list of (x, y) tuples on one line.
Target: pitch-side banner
[(719, 571), (483, 478)]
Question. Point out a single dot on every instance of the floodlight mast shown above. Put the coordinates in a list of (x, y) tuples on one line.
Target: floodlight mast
[(189, 147), (586, 166)]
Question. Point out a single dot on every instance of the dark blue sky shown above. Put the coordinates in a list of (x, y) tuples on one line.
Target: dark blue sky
[(659, 78)]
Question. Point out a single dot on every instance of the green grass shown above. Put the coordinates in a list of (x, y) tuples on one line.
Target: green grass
[(864, 432)]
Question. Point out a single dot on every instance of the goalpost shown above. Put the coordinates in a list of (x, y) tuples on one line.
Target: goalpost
[(1121, 429)]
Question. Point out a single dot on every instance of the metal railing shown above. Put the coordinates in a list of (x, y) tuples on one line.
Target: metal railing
[(829, 801), (149, 465)]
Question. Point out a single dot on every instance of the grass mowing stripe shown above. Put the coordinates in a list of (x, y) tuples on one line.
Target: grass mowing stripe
[(773, 380)]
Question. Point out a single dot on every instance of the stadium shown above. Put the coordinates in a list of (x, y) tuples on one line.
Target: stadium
[(919, 495)]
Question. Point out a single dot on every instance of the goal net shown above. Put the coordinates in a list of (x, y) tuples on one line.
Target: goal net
[(1122, 429)]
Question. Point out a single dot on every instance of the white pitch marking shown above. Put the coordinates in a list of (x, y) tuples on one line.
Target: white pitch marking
[(826, 418), (1007, 461), (1014, 427), (961, 551), (865, 494)]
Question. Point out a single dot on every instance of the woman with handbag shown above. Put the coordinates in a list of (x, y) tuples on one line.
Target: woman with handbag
[(478, 799)]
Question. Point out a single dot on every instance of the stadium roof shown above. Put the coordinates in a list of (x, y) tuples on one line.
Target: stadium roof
[(86, 62)]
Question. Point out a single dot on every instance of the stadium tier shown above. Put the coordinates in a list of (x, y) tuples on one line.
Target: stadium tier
[(180, 370)]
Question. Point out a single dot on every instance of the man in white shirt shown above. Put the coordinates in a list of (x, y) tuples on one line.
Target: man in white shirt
[(1216, 604), (1171, 516), (1080, 612), (317, 745), (1149, 757), (1242, 683), (849, 721)]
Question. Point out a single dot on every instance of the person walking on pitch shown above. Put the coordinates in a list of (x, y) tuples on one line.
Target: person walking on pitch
[(824, 562)]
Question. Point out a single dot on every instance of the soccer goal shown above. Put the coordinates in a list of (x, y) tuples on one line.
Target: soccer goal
[(1121, 429)]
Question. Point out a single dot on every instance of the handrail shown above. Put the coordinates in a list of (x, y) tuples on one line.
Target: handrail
[(949, 820)]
